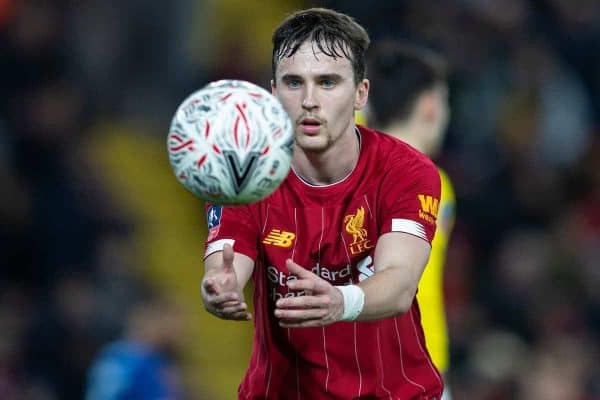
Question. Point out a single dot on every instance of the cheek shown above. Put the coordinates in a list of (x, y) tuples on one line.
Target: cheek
[(287, 103), (342, 104), (345, 108)]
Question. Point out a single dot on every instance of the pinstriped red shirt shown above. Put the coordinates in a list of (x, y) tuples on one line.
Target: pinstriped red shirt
[(332, 230)]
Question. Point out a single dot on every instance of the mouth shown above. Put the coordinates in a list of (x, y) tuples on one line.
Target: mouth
[(310, 125)]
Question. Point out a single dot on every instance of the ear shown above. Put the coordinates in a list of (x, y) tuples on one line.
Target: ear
[(273, 88), (427, 107), (432, 105), (362, 94)]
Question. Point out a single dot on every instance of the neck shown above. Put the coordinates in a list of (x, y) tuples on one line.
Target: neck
[(331, 165), (409, 132), (146, 335)]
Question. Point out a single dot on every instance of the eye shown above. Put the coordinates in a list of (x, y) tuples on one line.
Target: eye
[(294, 83), (328, 83)]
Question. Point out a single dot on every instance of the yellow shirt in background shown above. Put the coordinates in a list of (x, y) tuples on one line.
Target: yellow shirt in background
[(431, 287)]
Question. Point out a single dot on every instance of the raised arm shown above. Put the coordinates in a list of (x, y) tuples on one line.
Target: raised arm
[(225, 276)]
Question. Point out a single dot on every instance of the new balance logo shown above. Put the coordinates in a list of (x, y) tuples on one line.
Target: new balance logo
[(279, 238)]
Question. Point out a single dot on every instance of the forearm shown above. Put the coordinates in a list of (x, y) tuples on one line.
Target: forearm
[(242, 265), (387, 293), (399, 262)]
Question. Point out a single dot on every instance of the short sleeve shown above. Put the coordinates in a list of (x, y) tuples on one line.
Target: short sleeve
[(234, 225), (410, 199)]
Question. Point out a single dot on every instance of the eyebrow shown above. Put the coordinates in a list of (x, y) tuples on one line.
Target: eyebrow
[(290, 77), (331, 76)]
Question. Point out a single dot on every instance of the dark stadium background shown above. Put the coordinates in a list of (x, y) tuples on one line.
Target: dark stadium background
[(92, 218)]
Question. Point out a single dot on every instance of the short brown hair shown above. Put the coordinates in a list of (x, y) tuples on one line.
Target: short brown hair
[(399, 72), (334, 33)]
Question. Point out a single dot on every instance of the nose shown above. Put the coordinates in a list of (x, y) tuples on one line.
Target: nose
[(309, 102)]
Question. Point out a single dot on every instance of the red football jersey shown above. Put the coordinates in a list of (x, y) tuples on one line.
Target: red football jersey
[(333, 230)]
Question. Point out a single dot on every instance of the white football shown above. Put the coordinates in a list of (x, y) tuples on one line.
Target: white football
[(231, 142)]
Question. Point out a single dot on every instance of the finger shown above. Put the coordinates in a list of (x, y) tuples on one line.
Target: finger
[(210, 286), (307, 285), (241, 316), (237, 308), (232, 303), (235, 316), (220, 300), (297, 270), (302, 324), (321, 286), (228, 255), (295, 315), (302, 302), (311, 286)]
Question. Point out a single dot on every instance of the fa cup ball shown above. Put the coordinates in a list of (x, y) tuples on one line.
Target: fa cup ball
[(231, 143)]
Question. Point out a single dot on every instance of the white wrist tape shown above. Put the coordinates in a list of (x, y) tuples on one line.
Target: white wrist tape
[(354, 301)]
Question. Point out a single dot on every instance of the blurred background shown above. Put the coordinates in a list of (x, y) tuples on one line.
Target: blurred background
[(93, 221)]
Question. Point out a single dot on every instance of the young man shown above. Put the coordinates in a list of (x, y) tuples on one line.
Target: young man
[(409, 101), (336, 252)]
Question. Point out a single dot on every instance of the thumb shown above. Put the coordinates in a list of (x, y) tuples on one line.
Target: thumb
[(228, 255), (297, 270)]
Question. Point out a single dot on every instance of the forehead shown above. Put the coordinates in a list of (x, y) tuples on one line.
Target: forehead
[(310, 61)]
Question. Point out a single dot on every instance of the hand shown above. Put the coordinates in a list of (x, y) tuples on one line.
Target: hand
[(323, 303), (221, 294)]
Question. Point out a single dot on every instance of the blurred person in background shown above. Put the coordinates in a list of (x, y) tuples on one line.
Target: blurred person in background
[(409, 100), (141, 365), (339, 248)]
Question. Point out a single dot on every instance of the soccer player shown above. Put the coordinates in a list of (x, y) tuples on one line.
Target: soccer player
[(409, 100), (140, 366), (336, 252)]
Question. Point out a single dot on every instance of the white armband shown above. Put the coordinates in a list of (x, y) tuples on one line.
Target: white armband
[(354, 301)]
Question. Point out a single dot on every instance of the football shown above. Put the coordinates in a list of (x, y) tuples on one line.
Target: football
[(230, 142)]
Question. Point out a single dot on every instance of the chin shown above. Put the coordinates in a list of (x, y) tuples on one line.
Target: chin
[(312, 144)]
